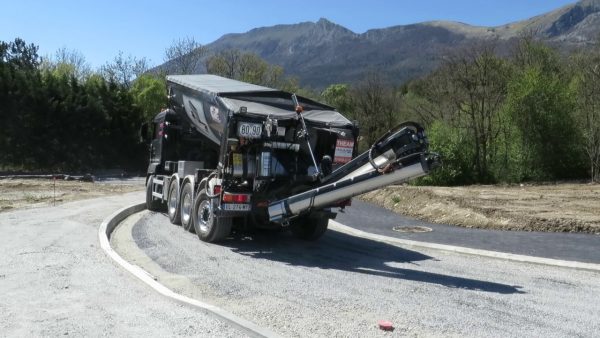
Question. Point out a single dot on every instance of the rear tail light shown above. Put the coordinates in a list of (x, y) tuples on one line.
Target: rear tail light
[(236, 198), (217, 190)]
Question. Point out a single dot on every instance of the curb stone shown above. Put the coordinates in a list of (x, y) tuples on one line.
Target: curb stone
[(108, 226)]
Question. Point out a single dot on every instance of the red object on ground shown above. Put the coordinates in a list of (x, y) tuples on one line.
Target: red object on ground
[(385, 325)]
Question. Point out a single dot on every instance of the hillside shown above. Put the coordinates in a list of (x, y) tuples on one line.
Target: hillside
[(320, 53)]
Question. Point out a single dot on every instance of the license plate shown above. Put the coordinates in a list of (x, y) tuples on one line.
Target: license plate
[(235, 207), (249, 130)]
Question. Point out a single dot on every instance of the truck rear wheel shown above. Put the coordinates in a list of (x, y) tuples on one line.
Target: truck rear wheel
[(309, 228), (185, 205), (152, 203), (173, 203), (209, 227)]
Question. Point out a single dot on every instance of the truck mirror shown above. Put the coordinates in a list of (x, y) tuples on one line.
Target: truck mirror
[(144, 137)]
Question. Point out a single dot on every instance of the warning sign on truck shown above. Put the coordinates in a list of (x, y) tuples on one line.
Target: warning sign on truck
[(343, 151)]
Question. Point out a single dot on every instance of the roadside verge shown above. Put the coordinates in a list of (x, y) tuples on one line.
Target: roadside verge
[(104, 232)]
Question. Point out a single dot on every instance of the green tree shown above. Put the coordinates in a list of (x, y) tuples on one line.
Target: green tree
[(541, 103), (185, 55), (124, 69), (70, 62), (224, 63), (479, 85), (20, 55), (19, 84), (338, 95), (587, 81), (454, 145), (149, 94), (247, 67), (428, 98), (54, 120), (467, 93)]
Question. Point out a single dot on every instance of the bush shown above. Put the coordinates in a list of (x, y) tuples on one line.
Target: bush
[(457, 157)]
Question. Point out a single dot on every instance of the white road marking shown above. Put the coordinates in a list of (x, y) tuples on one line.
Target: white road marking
[(337, 226)]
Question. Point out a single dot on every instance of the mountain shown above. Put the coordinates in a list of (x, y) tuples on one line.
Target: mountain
[(321, 53)]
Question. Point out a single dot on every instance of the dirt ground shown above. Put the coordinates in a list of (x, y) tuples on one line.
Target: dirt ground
[(22, 193), (552, 207)]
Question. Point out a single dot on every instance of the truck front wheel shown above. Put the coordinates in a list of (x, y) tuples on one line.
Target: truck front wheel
[(309, 228), (209, 227)]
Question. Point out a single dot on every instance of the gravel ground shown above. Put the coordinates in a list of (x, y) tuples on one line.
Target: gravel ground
[(56, 281), (342, 285)]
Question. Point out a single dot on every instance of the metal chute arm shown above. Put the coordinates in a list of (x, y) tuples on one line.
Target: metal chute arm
[(405, 139), (402, 152), (348, 187)]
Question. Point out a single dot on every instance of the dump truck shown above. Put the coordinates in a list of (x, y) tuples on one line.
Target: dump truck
[(227, 154)]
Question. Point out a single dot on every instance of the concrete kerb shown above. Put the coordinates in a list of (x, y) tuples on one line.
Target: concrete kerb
[(104, 233), (336, 226)]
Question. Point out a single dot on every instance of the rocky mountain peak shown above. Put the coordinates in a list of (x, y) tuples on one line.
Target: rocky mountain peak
[(322, 52), (573, 16)]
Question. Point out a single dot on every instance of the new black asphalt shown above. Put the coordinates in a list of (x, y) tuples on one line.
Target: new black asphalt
[(564, 246)]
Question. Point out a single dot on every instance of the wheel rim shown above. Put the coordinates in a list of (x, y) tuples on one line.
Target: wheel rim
[(186, 206), (204, 216), (172, 202)]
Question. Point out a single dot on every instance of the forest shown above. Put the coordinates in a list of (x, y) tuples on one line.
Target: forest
[(61, 117), (531, 115)]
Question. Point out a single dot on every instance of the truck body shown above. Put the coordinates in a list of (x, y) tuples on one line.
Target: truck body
[(228, 154)]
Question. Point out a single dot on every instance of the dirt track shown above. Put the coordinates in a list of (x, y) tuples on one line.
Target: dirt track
[(20, 193), (556, 207)]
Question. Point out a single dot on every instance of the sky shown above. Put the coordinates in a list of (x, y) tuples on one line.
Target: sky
[(100, 29)]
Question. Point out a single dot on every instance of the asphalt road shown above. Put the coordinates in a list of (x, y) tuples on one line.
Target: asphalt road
[(56, 281), (565, 246), (342, 285)]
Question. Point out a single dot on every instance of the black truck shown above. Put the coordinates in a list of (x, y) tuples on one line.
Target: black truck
[(230, 154)]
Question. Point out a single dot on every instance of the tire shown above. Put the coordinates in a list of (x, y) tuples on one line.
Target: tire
[(152, 203), (309, 228), (209, 227), (173, 208), (185, 206)]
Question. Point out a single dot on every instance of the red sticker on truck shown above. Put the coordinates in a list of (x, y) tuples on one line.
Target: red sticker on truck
[(343, 151)]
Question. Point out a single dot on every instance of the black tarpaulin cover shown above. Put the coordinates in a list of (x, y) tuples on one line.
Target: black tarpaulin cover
[(259, 100), (213, 84)]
